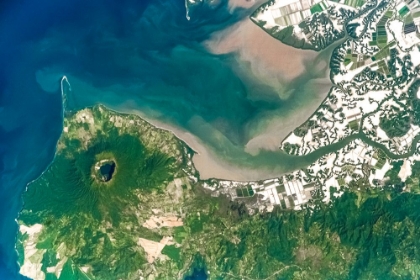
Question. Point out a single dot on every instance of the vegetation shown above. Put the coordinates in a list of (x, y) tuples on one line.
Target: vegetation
[(291, 148), (90, 221), (302, 130), (381, 157), (91, 228), (358, 236), (396, 124), (415, 102), (354, 125), (75, 191), (392, 174)]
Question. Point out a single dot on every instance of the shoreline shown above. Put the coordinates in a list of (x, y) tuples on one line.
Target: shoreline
[(211, 164), (207, 163)]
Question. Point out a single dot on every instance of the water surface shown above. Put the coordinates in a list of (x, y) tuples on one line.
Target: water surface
[(143, 56)]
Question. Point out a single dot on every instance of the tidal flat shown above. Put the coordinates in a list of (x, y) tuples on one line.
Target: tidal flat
[(134, 55), (232, 102)]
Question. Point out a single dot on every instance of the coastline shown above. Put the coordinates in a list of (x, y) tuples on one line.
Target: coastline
[(265, 138), (63, 111), (207, 163)]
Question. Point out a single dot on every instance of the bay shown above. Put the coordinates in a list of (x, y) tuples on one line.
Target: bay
[(144, 57)]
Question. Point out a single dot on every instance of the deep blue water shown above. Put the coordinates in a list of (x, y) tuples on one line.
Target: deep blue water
[(41, 40), (143, 54)]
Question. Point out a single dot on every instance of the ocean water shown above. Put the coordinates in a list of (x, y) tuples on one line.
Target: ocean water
[(133, 54)]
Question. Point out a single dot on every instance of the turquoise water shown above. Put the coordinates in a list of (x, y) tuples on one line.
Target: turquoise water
[(126, 54)]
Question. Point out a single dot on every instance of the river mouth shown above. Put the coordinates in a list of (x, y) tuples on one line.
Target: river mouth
[(230, 143), (235, 101), (236, 129), (126, 57)]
